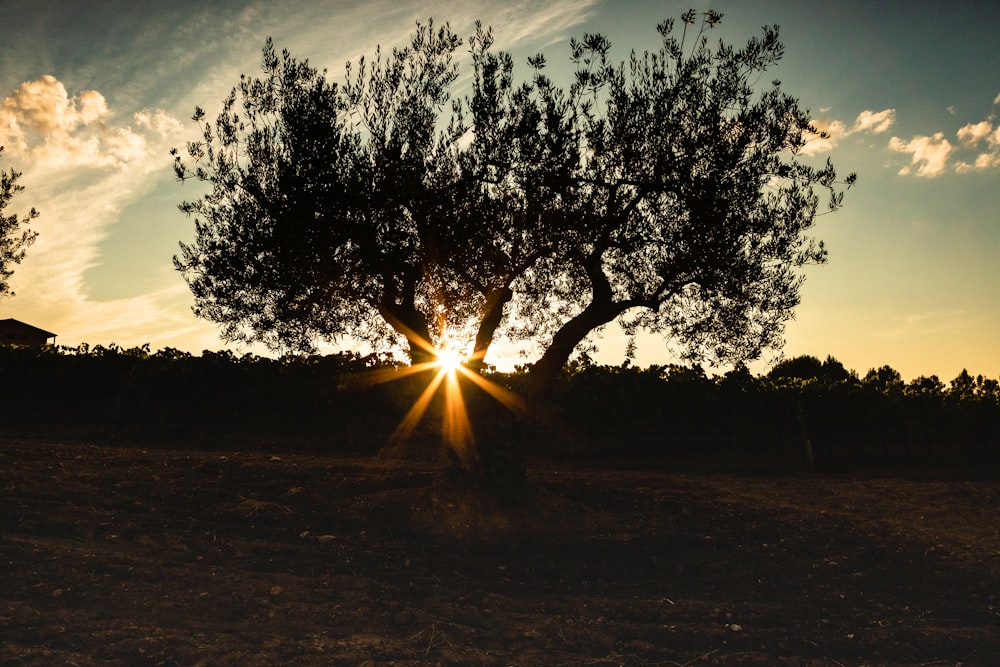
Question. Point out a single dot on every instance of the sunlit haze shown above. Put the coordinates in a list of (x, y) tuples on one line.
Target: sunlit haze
[(449, 360), (94, 95)]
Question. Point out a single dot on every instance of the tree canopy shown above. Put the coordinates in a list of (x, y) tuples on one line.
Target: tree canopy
[(668, 192), (14, 239)]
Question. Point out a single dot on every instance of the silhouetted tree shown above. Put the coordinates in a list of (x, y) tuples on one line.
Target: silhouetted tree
[(884, 380), (963, 387), (807, 367), (13, 239), (803, 367), (666, 193), (926, 386)]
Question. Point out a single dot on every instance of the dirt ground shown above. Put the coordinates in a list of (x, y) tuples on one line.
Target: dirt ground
[(142, 555)]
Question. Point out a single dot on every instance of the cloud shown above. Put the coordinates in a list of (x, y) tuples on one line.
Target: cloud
[(51, 284), (830, 132), (970, 135), (827, 135), (42, 122), (928, 154), (541, 22), (875, 122), (45, 107), (82, 169), (159, 121), (983, 161), (931, 155), (996, 100), (929, 323)]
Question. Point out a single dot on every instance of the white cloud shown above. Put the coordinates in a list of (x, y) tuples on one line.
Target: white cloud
[(996, 100), (928, 154), (931, 155), (40, 121), (542, 22), (987, 160), (875, 122), (830, 132), (51, 283), (972, 134), (45, 107)]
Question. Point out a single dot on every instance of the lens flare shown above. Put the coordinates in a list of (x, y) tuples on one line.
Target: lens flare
[(450, 371), (449, 359)]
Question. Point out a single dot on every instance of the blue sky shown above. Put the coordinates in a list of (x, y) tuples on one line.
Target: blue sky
[(93, 96)]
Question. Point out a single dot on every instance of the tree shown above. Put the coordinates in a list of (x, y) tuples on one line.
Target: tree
[(963, 387), (667, 193), (13, 239), (807, 367), (884, 380), (926, 386)]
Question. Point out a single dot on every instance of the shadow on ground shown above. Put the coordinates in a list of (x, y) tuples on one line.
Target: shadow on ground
[(170, 556)]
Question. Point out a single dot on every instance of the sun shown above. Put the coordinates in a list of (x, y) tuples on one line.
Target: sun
[(448, 370), (449, 359)]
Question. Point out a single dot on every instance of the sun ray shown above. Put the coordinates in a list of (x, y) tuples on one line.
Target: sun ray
[(451, 369), (457, 428), (506, 397), (383, 375), (409, 422)]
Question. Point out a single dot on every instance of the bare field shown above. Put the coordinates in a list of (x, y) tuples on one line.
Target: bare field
[(168, 555)]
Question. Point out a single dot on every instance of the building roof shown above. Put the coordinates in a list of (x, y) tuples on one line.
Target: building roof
[(10, 324)]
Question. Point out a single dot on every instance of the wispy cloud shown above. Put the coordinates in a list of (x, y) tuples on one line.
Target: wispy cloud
[(934, 155), (830, 132), (933, 323), (81, 170)]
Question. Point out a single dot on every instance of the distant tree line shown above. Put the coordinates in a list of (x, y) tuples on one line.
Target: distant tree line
[(804, 411), (172, 393)]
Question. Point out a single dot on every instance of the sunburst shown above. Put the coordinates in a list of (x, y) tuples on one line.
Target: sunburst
[(450, 360), (451, 369)]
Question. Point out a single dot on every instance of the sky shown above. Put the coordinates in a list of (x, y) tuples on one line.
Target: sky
[(94, 94)]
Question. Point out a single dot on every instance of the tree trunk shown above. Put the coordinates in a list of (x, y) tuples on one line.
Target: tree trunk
[(543, 374), (495, 468), (501, 435), (412, 325), (418, 353), (493, 314)]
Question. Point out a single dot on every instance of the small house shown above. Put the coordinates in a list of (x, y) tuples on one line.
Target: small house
[(15, 332)]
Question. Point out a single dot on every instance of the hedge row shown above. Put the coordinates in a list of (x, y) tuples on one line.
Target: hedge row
[(803, 409)]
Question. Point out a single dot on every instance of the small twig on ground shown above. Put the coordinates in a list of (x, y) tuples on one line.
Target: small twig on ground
[(251, 507), (704, 656), (430, 643)]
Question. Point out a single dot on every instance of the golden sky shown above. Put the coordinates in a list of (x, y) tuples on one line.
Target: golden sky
[(93, 96)]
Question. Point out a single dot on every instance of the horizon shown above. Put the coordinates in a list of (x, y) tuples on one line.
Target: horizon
[(92, 101)]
